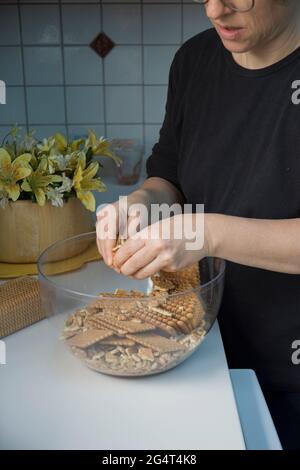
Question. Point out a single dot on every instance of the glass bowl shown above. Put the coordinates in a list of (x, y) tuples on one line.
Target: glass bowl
[(121, 326)]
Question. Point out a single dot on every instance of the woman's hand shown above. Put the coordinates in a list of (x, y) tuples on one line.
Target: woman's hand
[(112, 220), (170, 244)]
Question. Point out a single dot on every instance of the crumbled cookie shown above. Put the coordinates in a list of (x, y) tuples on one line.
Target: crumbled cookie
[(144, 333)]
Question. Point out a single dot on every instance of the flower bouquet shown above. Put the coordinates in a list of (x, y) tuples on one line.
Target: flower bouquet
[(46, 192), (53, 169)]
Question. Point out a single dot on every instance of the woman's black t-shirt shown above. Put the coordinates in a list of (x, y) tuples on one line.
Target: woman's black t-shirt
[(231, 140)]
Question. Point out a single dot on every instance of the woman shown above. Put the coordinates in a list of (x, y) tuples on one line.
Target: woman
[(231, 140)]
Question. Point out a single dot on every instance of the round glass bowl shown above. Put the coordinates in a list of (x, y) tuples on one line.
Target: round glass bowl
[(121, 326)]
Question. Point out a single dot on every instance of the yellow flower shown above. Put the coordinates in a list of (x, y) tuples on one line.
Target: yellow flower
[(60, 142), (63, 146), (38, 183), (100, 147), (46, 145), (84, 183), (13, 171)]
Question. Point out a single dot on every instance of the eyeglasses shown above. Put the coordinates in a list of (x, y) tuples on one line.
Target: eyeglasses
[(241, 6)]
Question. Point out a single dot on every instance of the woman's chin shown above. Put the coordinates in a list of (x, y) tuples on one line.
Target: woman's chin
[(236, 47)]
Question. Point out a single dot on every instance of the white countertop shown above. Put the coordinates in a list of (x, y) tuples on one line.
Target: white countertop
[(49, 400)]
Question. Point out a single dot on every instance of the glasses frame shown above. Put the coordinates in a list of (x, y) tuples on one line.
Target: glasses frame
[(204, 2)]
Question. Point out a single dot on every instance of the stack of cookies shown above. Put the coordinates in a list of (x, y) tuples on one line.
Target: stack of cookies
[(132, 333)]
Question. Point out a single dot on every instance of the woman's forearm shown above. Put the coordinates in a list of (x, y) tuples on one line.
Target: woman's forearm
[(156, 190), (267, 244)]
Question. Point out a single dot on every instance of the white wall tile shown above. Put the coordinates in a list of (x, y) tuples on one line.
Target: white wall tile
[(45, 105), (9, 25), (194, 21), (76, 132), (135, 62), (85, 104), (162, 24), (155, 103), (4, 130), (43, 65), (42, 132), (80, 1), (39, 1), (123, 131), (40, 24), (81, 23), (82, 66), (161, 1), (121, 1), (11, 65), (124, 65), (13, 112), (124, 104), (151, 137), (157, 62), (122, 23)]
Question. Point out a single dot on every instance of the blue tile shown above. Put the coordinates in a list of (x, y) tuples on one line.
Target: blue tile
[(85, 104), (40, 24), (124, 104), (77, 132), (82, 66), (11, 65), (155, 102), (162, 57), (80, 25), (4, 130), (124, 131), (124, 65), (80, 1), (45, 105), (118, 1), (122, 23), (43, 65), (13, 112), (160, 1), (42, 132), (151, 137), (162, 24), (39, 1), (9, 25), (194, 21)]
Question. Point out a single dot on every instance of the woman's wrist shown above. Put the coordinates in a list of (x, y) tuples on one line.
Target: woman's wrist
[(213, 234)]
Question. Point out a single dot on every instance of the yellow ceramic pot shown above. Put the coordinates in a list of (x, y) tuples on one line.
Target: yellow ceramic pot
[(27, 229)]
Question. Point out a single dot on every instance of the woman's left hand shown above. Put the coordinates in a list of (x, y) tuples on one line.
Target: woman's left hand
[(170, 244)]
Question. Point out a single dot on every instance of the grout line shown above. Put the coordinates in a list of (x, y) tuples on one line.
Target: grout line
[(143, 87), (104, 84), (84, 44), (92, 85), (83, 124), (94, 3), (182, 10), (23, 68), (103, 72), (63, 66)]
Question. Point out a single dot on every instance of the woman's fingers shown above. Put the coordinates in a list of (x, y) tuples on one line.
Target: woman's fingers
[(130, 247), (107, 231), (150, 269), (141, 258)]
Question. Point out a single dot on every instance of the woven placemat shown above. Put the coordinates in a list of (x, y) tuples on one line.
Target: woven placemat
[(13, 270), (20, 304)]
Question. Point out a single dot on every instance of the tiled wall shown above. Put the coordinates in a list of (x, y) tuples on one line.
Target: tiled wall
[(56, 82)]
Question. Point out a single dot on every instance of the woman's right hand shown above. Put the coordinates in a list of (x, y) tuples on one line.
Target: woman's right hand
[(154, 190), (111, 220), (107, 228)]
